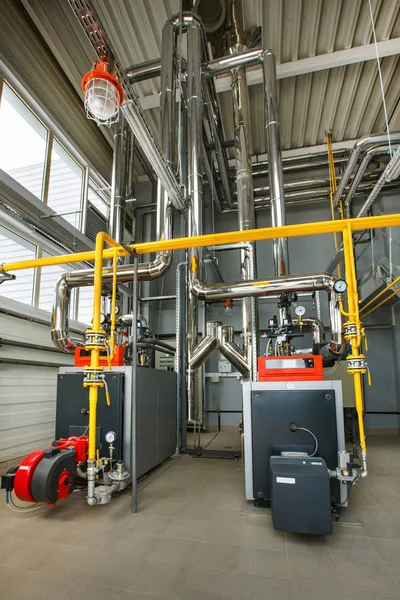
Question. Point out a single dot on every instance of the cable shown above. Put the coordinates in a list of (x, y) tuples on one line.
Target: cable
[(316, 441), (12, 506), (348, 490), (332, 369), (380, 77)]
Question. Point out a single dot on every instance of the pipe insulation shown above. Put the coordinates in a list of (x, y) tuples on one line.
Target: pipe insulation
[(275, 174), (195, 193), (245, 202)]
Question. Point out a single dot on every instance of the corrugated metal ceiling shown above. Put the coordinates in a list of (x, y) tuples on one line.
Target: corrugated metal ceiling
[(345, 99)]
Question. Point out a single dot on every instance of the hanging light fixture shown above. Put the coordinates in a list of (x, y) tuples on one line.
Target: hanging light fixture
[(103, 93), (229, 307)]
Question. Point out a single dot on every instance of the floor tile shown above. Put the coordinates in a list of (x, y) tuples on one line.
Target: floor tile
[(186, 594), (10, 545), (127, 595), (383, 530), (265, 563), (353, 530), (133, 544), (209, 581), (264, 538), (363, 595), (11, 580), (42, 587), (365, 575), (316, 591), (369, 514), (173, 550), (225, 534), (145, 523), (387, 550), (91, 591), (100, 567), (209, 555), (249, 587), (159, 579), (346, 546), (190, 529), (34, 556), (315, 569), (308, 544)]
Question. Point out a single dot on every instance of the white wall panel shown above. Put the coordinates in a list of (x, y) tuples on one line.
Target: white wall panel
[(27, 393)]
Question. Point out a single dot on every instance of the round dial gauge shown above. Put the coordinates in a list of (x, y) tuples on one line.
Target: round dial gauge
[(110, 437), (340, 286), (300, 311)]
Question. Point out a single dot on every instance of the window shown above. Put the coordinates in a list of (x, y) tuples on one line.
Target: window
[(23, 141), (14, 248), (98, 198), (65, 185), (85, 305), (48, 279)]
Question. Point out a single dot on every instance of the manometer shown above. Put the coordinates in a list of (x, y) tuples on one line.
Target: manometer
[(300, 311), (110, 437), (340, 286)]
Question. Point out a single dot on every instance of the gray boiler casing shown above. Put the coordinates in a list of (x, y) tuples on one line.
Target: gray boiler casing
[(269, 408), (156, 413)]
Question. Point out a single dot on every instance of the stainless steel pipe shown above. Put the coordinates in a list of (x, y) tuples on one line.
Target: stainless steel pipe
[(195, 193), (231, 351), (245, 201), (219, 337), (116, 224), (140, 129), (212, 68), (207, 345), (369, 156), (280, 246), (359, 149)]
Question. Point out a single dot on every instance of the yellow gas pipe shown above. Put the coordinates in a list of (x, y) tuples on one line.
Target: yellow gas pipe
[(230, 237), (356, 360), (95, 341)]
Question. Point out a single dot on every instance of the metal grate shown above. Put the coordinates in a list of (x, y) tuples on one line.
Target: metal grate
[(95, 222)]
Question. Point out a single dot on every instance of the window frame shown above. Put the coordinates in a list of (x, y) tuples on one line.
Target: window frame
[(91, 177)]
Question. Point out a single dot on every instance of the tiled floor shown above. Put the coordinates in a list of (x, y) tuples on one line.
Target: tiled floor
[(190, 542)]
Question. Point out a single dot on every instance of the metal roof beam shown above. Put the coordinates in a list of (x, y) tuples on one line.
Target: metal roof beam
[(331, 60)]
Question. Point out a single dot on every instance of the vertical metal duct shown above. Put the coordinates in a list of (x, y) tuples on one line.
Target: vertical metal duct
[(195, 190), (244, 181), (275, 173), (167, 124), (118, 183)]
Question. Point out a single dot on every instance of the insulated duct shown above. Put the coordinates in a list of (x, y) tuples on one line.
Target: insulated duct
[(118, 183), (275, 173), (195, 191), (219, 337), (244, 183)]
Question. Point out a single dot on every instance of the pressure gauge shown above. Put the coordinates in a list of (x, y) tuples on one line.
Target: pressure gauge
[(110, 437), (340, 286), (102, 318), (300, 311)]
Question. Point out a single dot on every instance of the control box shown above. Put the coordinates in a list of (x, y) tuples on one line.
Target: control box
[(307, 367), (300, 495)]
